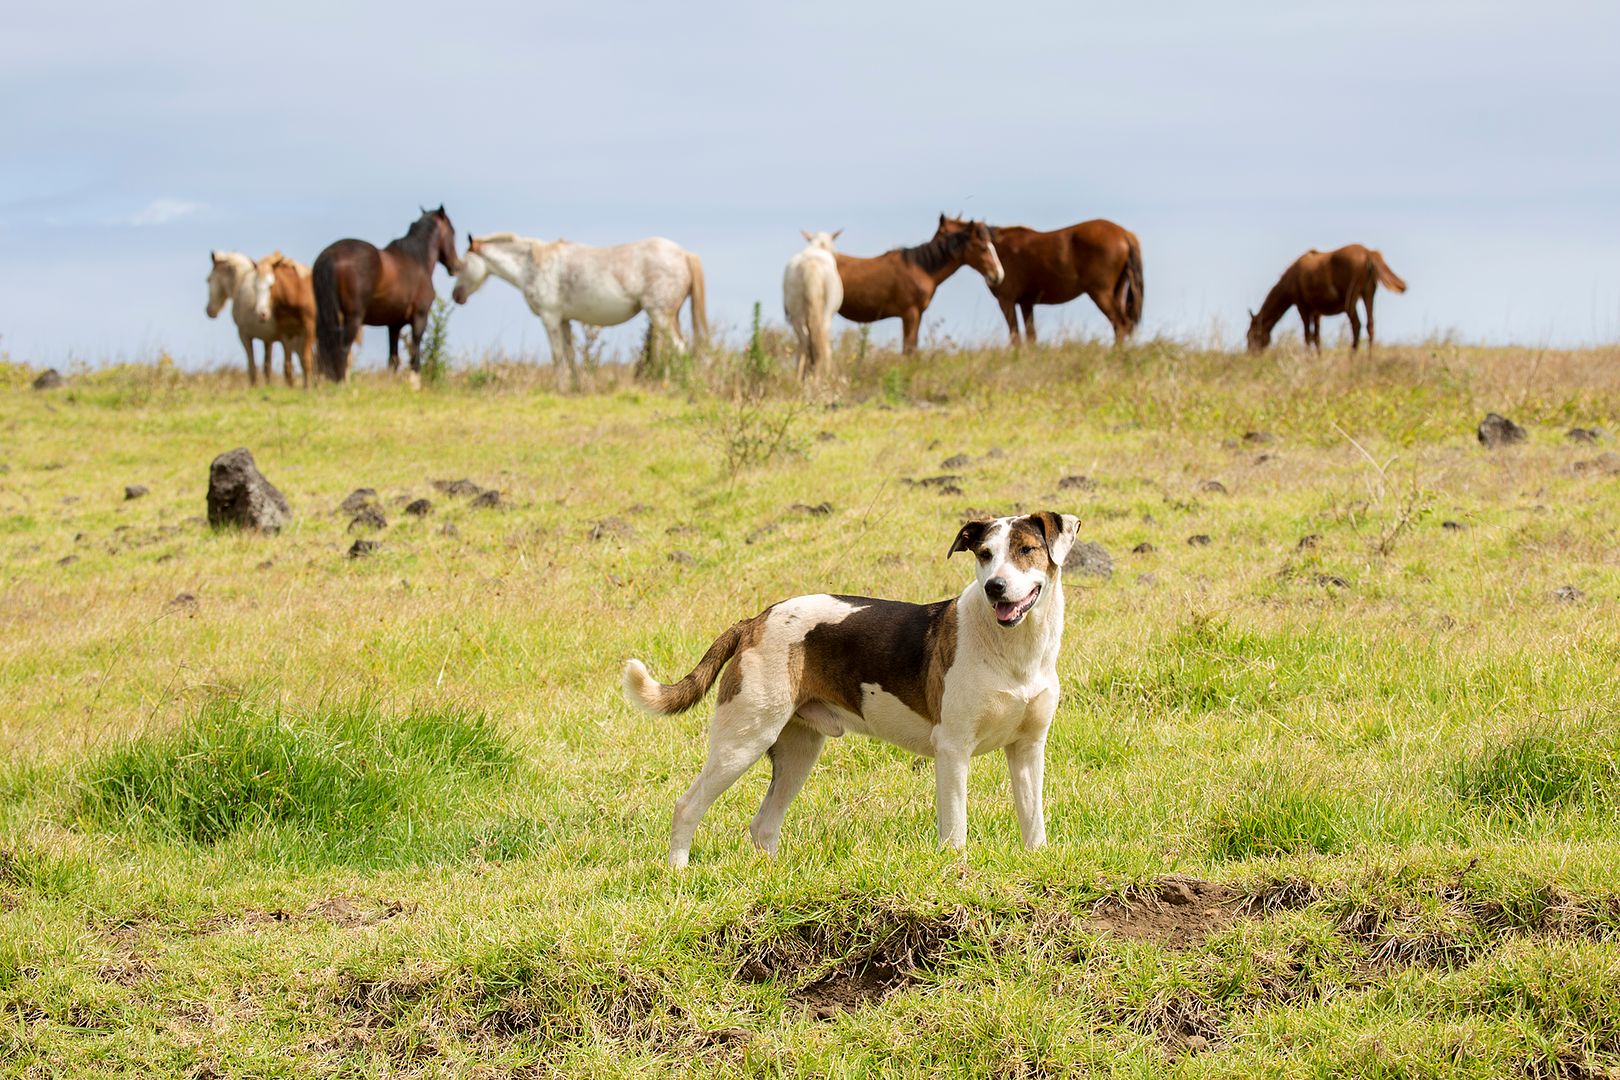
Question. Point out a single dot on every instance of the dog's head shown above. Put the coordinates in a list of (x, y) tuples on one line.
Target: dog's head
[(1019, 558)]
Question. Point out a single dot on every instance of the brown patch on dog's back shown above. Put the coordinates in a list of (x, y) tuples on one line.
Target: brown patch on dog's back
[(905, 649), (750, 633)]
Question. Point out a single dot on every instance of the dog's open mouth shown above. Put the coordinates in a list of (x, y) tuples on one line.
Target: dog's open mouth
[(1012, 612)]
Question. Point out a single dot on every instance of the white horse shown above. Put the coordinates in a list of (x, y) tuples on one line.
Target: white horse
[(234, 278), (812, 293), (598, 286)]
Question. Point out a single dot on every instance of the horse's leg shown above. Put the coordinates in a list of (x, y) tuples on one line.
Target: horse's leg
[(1028, 308), (910, 319), (1009, 311), (1355, 324), (555, 328), (1305, 321), (418, 329), (247, 346), (393, 348), (1368, 299), (1105, 304)]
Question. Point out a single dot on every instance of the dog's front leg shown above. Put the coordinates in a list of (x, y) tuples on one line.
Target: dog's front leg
[(950, 794), (1026, 765)]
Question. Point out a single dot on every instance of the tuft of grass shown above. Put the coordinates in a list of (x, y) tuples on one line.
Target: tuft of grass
[(435, 351), (1277, 818), (347, 780), (1539, 771)]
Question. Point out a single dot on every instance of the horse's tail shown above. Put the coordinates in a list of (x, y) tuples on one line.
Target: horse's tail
[(1133, 270), (330, 356), (1386, 276), (661, 699), (700, 313), (817, 315)]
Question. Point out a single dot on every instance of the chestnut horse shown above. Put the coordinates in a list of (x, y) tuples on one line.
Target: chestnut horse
[(357, 285), (1325, 283), (901, 283), (1094, 258)]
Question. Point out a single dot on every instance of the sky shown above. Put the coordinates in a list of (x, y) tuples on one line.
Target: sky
[(1475, 143)]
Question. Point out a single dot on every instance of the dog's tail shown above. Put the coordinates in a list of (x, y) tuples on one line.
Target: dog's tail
[(661, 699)]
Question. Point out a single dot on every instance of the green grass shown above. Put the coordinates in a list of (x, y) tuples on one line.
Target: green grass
[(389, 816)]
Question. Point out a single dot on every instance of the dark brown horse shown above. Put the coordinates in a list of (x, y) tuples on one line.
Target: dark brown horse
[(901, 283), (1094, 258), (1325, 283), (357, 285)]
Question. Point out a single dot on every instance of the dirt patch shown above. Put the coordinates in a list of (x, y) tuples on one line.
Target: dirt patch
[(1184, 1022), (354, 911), (1176, 912)]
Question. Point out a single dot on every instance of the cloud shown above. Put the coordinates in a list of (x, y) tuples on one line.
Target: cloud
[(165, 211)]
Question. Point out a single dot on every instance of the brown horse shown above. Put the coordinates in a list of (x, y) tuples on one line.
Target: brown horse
[(357, 285), (1324, 283), (901, 283), (1094, 258)]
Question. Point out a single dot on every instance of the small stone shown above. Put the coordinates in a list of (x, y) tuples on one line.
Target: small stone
[(950, 489), (1497, 430), (1212, 487), (1259, 438), (449, 529), (1586, 435), (135, 491), (935, 481), (1077, 483), (487, 500), (761, 532), (1308, 542), (184, 599), (457, 488), (1453, 526), (821, 509), (1568, 594), (369, 517), (956, 461), (1089, 558), (267, 564), (419, 507), (612, 528), (1177, 892), (67, 560), (1333, 580), (682, 558), (357, 500), (1198, 540), (1147, 579), (362, 548), (826, 436), (1144, 548), (49, 379)]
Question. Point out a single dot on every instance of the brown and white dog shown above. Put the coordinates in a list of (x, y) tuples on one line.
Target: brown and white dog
[(947, 680)]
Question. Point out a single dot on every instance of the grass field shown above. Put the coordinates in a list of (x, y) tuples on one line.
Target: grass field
[(1331, 794)]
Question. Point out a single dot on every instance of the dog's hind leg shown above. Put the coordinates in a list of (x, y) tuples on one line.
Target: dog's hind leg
[(793, 755), (739, 737)]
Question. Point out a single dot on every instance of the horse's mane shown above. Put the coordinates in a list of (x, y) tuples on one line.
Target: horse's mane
[(937, 252), (498, 238)]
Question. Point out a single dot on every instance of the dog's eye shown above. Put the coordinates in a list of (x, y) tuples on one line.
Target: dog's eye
[(983, 555), (1027, 549)]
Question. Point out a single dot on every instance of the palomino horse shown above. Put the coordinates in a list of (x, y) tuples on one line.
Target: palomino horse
[(1094, 258), (233, 279), (357, 285), (292, 310), (901, 283), (811, 292), (598, 286), (1324, 283)]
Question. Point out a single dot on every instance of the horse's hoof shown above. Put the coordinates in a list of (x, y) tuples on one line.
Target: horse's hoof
[(416, 381)]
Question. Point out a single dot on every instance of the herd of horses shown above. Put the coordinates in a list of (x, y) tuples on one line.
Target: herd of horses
[(318, 313)]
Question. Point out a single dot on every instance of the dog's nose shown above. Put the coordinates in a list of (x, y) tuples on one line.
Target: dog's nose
[(995, 588)]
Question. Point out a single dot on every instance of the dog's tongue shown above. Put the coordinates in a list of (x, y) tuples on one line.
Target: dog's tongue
[(1007, 610)]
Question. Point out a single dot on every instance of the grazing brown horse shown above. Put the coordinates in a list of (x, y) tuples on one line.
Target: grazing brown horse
[(1325, 283), (357, 285), (901, 283), (1094, 258)]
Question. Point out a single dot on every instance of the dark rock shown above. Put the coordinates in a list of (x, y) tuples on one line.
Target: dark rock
[(1334, 580), (1606, 463), (49, 379), (1212, 487), (1259, 438), (950, 489), (760, 533), (935, 481), (1198, 540), (240, 497), (1261, 459), (826, 436), (1568, 594), (135, 491), (67, 560), (369, 517), (267, 564), (684, 558), (489, 499), (1497, 430), (184, 599), (1586, 435), (458, 488), (1453, 526), (1089, 558), (612, 528), (357, 499), (1308, 542), (1077, 483), (1144, 548), (956, 461), (419, 507), (821, 509), (362, 548), (449, 529)]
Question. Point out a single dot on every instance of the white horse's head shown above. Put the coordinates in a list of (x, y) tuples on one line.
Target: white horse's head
[(822, 241), (472, 275), (221, 282)]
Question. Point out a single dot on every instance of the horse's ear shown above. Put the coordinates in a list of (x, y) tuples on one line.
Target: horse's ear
[(806, 234), (942, 219), (837, 234), (213, 256), (1252, 315)]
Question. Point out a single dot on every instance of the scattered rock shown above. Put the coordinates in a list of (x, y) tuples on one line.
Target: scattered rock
[(67, 560), (487, 500), (419, 507), (449, 529), (1308, 542), (1568, 594), (682, 530), (1261, 459), (956, 461), (950, 489), (357, 500), (614, 528), (1144, 548), (1147, 579), (761, 532), (1453, 526), (1333, 580), (1259, 438), (1077, 483), (826, 436), (49, 379), (683, 558), (240, 497), (135, 491), (183, 600), (1089, 558), (821, 509), (362, 548), (369, 517), (1586, 435), (1198, 540), (934, 481), (1212, 487), (267, 564), (1606, 463), (1497, 430), (457, 488)]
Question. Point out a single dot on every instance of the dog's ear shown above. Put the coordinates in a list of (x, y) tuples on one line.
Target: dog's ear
[(1059, 531), (970, 535)]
